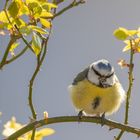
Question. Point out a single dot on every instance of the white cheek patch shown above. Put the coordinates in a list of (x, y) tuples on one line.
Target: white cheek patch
[(111, 80), (97, 80), (92, 77)]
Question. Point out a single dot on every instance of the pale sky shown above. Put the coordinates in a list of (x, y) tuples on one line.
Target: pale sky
[(81, 36)]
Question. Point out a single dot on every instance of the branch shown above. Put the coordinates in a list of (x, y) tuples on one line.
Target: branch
[(40, 58), (62, 119), (71, 5), (6, 3), (17, 56), (24, 40), (131, 79), (34, 76), (5, 6), (12, 40), (16, 28), (39, 63)]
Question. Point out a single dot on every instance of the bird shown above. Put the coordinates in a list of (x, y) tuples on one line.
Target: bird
[(96, 91)]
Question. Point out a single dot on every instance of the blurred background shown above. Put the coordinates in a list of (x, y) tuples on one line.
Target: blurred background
[(80, 36)]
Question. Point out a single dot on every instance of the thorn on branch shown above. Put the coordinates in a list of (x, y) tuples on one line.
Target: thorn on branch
[(111, 128)]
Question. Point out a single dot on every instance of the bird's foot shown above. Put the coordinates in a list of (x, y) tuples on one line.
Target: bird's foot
[(80, 115), (103, 119)]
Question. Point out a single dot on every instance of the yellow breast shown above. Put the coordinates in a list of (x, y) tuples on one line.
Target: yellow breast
[(84, 94)]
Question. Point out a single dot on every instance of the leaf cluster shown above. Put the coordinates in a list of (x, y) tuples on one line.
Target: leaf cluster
[(27, 18), (29, 21), (130, 37)]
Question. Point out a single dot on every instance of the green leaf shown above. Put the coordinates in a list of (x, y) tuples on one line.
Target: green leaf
[(4, 25), (121, 33), (13, 9), (49, 6), (132, 32), (126, 48), (1, 25), (35, 8), (138, 32), (30, 1), (25, 30), (3, 17), (38, 29), (45, 23), (32, 5), (36, 44), (19, 22), (37, 11), (45, 14), (23, 9), (13, 47)]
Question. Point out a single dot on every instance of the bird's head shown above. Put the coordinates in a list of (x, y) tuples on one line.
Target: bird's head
[(101, 73)]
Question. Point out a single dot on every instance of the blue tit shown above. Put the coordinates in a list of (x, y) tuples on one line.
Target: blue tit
[(96, 90)]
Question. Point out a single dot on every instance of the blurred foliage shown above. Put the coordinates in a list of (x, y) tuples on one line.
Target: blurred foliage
[(12, 126)]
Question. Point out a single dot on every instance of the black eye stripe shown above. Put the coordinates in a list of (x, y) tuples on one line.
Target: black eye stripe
[(108, 76), (96, 72)]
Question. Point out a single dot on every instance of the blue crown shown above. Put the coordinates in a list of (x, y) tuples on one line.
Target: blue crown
[(103, 64)]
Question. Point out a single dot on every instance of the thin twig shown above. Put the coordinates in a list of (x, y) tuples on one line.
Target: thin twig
[(39, 63), (17, 56), (33, 78), (6, 13), (62, 119), (119, 135), (131, 78), (24, 40), (71, 5), (8, 17), (6, 3), (12, 40), (40, 60)]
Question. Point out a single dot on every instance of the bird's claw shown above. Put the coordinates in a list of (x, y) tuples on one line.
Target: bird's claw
[(80, 114), (103, 119)]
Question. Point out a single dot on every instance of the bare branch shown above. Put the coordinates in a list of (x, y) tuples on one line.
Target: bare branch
[(62, 119)]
